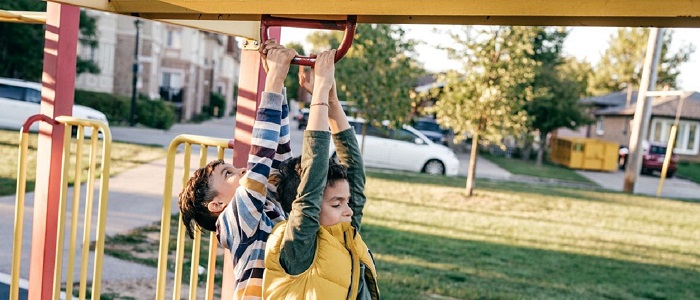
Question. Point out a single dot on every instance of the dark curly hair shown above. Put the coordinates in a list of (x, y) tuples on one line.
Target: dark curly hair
[(289, 178), (195, 197)]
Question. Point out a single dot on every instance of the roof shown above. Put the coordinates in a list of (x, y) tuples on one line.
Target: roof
[(661, 106), (612, 99)]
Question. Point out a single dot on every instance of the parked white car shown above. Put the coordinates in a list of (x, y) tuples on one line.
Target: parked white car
[(21, 99), (404, 149)]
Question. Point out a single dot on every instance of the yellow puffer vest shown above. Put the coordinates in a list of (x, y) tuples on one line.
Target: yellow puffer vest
[(334, 273)]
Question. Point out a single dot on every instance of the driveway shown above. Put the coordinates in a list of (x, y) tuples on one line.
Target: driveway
[(673, 187)]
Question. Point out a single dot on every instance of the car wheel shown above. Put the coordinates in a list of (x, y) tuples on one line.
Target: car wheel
[(434, 167), (669, 174)]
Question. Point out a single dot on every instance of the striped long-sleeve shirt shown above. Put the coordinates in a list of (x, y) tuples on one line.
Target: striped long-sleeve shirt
[(246, 223)]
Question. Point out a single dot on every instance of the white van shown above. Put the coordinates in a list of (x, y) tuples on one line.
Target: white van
[(21, 99)]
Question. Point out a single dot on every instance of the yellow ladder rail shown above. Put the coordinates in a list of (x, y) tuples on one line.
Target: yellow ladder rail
[(83, 127), (188, 141)]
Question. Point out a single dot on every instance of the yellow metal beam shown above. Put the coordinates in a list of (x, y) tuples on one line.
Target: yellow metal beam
[(27, 17), (667, 13)]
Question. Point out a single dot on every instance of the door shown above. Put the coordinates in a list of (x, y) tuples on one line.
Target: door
[(376, 148), (404, 153), (17, 104)]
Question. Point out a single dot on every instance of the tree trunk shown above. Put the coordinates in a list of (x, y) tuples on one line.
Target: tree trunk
[(472, 165), (540, 151)]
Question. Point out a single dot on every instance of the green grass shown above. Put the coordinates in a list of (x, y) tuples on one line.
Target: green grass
[(689, 170), (522, 241), (519, 241), (529, 168), (124, 157)]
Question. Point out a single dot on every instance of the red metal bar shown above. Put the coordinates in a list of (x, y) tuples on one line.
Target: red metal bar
[(35, 118), (348, 26), (57, 93)]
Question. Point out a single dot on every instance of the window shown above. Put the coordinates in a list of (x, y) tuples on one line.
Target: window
[(33, 96), (371, 130), (173, 39), (687, 135), (171, 80), (404, 135), (599, 128), (12, 92)]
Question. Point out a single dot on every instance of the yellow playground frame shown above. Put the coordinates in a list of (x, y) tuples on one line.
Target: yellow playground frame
[(242, 18)]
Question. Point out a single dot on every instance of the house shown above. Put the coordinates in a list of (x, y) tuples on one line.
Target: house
[(616, 112), (175, 63)]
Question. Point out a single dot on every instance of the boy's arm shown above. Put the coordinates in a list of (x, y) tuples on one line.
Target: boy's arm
[(283, 153), (348, 152), (299, 242), (250, 197), (284, 148)]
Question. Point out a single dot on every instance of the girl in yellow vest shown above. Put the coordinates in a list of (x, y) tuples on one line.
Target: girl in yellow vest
[(318, 253)]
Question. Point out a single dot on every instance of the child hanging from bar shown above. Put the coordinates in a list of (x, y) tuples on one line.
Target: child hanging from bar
[(319, 253), (243, 216)]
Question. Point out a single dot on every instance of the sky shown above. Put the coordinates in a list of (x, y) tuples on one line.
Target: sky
[(587, 43)]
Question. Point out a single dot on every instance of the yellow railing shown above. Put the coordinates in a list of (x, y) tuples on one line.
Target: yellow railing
[(204, 143), (81, 126)]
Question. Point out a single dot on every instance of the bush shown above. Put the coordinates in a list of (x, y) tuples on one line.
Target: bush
[(155, 113), (151, 113), (217, 105)]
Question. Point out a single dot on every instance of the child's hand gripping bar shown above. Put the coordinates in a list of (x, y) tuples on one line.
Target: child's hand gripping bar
[(348, 26)]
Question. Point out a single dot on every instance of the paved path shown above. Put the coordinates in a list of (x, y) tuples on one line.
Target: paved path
[(646, 184)]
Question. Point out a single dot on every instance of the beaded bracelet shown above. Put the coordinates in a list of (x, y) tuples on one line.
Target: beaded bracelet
[(319, 103)]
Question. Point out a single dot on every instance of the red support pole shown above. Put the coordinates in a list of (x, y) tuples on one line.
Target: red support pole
[(61, 39), (251, 83)]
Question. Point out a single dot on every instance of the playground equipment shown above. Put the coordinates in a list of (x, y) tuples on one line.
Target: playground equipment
[(204, 143), (70, 158), (242, 18)]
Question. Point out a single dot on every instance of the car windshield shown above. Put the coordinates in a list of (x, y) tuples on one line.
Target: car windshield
[(428, 126), (658, 150)]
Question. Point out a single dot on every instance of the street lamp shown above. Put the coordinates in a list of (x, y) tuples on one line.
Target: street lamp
[(135, 69)]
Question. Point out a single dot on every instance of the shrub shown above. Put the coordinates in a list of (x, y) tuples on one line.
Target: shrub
[(217, 105), (151, 113), (155, 113)]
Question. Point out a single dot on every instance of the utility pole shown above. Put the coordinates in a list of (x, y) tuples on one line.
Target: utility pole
[(642, 113), (135, 70)]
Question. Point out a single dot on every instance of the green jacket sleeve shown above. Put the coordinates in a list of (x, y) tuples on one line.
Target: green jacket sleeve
[(299, 242), (348, 152)]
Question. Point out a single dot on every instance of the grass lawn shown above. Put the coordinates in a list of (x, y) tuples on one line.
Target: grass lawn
[(546, 170), (689, 170), (524, 241), (124, 156)]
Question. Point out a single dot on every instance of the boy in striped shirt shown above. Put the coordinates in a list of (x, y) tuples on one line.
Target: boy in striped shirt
[(243, 216)]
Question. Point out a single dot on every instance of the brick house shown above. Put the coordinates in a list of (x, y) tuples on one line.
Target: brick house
[(616, 112)]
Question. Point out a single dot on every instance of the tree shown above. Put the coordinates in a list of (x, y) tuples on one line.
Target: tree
[(22, 49), (557, 91), (88, 37), (377, 74), (485, 102), (291, 82), (622, 62)]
